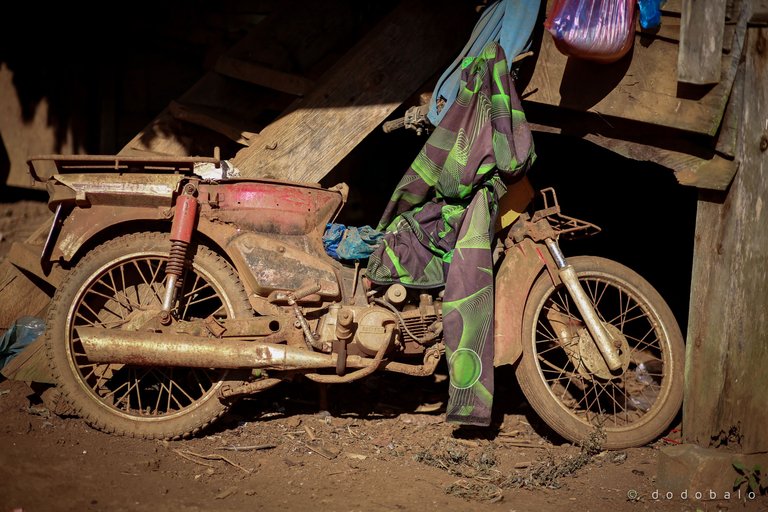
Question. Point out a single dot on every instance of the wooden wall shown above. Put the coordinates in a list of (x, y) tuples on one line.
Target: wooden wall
[(726, 403)]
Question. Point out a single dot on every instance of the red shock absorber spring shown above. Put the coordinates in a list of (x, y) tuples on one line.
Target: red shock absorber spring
[(181, 235), (175, 265)]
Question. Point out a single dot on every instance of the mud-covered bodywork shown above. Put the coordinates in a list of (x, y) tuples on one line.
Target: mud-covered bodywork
[(270, 230)]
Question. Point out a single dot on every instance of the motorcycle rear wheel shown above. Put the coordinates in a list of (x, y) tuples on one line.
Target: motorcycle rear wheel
[(561, 374), (119, 285)]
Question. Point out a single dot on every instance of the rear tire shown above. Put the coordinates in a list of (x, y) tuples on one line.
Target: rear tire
[(119, 285), (558, 373)]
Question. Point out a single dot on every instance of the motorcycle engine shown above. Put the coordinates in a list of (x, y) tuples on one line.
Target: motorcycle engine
[(414, 324), (373, 329)]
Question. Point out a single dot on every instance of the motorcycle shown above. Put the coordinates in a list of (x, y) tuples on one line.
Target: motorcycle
[(188, 287)]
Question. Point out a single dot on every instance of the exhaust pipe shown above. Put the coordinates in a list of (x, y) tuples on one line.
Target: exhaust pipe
[(159, 349)]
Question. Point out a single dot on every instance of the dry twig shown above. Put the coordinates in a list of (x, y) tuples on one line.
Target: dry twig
[(248, 448), (213, 456)]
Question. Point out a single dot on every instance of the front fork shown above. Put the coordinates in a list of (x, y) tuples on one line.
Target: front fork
[(600, 335), (181, 235)]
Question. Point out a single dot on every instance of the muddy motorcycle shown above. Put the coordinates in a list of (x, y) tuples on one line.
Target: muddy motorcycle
[(185, 291)]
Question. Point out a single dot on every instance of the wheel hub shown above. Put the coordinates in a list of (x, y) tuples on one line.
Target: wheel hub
[(593, 364)]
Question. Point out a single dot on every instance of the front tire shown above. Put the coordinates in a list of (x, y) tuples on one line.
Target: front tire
[(120, 285), (562, 376)]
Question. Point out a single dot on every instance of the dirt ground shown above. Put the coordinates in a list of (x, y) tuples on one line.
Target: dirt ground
[(379, 444)]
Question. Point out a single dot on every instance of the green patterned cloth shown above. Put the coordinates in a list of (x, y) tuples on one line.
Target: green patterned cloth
[(440, 219)]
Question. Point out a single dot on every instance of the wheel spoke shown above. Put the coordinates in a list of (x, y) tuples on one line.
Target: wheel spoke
[(598, 298), (613, 404), (116, 293), (138, 390), (593, 399), (647, 345), (122, 296), (149, 284), (200, 384), (114, 391), (625, 320)]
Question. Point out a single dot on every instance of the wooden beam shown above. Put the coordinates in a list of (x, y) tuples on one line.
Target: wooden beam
[(260, 74), (726, 352), (299, 38), (26, 257), (672, 6), (30, 365), (713, 173), (212, 119), (669, 29), (358, 93), (19, 295), (729, 128), (168, 136), (691, 158), (759, 12), (701, 41), (642, 87)]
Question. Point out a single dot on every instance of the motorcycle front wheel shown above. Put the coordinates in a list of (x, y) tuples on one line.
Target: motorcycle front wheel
[(120, 285), (564, 377)]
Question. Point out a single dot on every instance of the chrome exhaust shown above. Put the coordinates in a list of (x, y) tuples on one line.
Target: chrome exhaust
[(143, 348)]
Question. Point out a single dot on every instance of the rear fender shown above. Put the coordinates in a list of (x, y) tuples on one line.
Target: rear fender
[(522, 264), (84, 224)]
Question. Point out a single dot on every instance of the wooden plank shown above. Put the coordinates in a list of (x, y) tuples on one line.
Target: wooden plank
[(669, 29), (20, 295), (358, 93), (729, 129), (260, 74), (640, 87), (712, 172), (167, 136), (26, 257), (301, 36), (759, 12), (672, 6), (726, 353), (30, 365), (212, 119), (234, 110), (701, 41), (692, 159)]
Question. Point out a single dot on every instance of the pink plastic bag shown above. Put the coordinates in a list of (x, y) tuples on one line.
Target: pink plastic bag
[(599, 30)]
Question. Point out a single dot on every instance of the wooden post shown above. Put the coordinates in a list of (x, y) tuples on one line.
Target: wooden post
[(701, 41), (727, 349)]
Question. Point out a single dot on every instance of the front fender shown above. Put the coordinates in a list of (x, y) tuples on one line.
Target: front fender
[(521, 266)]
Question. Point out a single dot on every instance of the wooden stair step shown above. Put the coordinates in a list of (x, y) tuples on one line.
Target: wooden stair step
[(260, 74), (359, 92), (297, 42), (213, 119)]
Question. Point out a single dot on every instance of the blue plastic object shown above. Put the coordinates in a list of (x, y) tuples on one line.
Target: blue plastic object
[(650, 12), (350, 243), (23, 332)]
